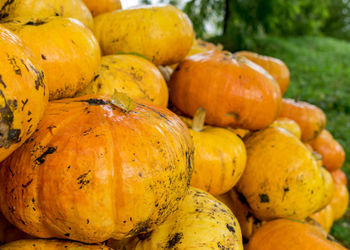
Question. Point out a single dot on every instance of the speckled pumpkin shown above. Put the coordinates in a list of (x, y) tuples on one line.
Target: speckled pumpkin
[(23, 93), (133, 75), (324, 217), (285, 234), (45, 8), (162, 33), (202, 222), (50, 245), (310, 118), (289, 125), (9, 232), (68, 52), (282, 178), (102, 6), (93, 171)]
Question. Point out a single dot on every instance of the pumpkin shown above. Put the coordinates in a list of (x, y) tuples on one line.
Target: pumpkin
[(333, 155), (23, 93), (286, 234), (162, 33), (68, 52), (50, 245), (102, 6), (275, 67), (133, 75), (202, 222), (287, 124), (340, 200), (94, 171), (10, 9), (9, 232), (310, 118), (324, 217), (329, 187), (234, 91), (219, 157), (339, 176), (281, 179)]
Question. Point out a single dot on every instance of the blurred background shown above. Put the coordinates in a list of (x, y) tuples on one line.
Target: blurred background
[(311, 37)]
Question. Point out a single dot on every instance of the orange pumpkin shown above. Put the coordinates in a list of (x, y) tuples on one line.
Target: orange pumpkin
[(324, 217), (50, 245), (94, 171), (235, 92), (23, 93), (275, 67), (102, 6), (333, 155), (287, 124), (339, 176), (310, 118), (9, 233)]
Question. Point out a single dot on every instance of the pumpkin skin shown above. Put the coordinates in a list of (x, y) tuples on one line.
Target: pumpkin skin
[(287, 124), (325, 218), (50, 245), (9, 232), (275, 67), (310, 118), (45, 8), (23, 93), (243, 95), (162, 33), (128, 172), (133, 75), (69, 61), (202, 222), (281, 179), (340, 200), (333, 155), (329, 187), (339, 176), (102, 6), (285, 234)]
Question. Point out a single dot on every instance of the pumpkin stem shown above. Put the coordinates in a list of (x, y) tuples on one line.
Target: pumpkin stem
[(122, 101), (198, 120)]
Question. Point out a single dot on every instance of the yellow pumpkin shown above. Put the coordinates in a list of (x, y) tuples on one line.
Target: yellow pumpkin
[(45, 8), (68, 52), (281, 179), (324, 217), (163, 33), (329, 187), (50, 245), (102, 6), (287, 124), (340, 200), (133, 75)]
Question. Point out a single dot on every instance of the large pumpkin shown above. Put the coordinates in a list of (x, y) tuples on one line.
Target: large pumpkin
[(10, 9), (23, 93), (310, 118), (50, 245), (93, 171), (102, 6), (163, 33), (234, 91), (275, 67), (133, 75), (282, 178), (68, 52)]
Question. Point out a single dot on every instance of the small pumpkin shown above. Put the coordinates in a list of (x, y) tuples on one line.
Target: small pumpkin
[(40, 244), (68, 52), (310, 118), (333, 155), (275, 67), (130, 74), (234, 91), (324, 217), (96, 169), (340, 200), (287, 124), (162, 33), (102, 6)]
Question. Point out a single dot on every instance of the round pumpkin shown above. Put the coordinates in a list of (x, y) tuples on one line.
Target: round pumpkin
[(10, 9), (333, 155), (339, 176), (329, 187), (133, 75), (324, 217), (23, 93), (234, 91), (340, 200), (162, 33), (102, 6), (50, 245), (286, 234), (275, 67), (282, 178), (287, 124), (310, 118), (68, 52), (94, 171)]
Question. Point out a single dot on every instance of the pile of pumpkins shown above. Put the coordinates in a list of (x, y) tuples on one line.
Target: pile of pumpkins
[(93, 158)]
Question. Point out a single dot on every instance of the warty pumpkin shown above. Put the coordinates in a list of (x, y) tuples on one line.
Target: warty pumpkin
[(340, 200), (40, 244), (324, 217), (133, 75), (10, 9), (68, 52), (281, 179), (23, 93), (275, 67), (287, 124), (162, 33), (234, 91), (310, 118), (102, 6), (201, 222), (286, 234), (93, 171), (333, 155)]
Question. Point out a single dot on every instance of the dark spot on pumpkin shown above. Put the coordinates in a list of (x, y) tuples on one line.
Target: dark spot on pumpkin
[(39, 81), (15, 67), (233, 114), (176, 238), (43, 56), (95, 102), (95, 77), (83, 179), (35, 23), (29, 113), (41, 159), (13, 135), (2, 82), (264, 198), (27, 184), (67, 234), (11, 209), (24, 103), (11, 171), (141, 227)]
